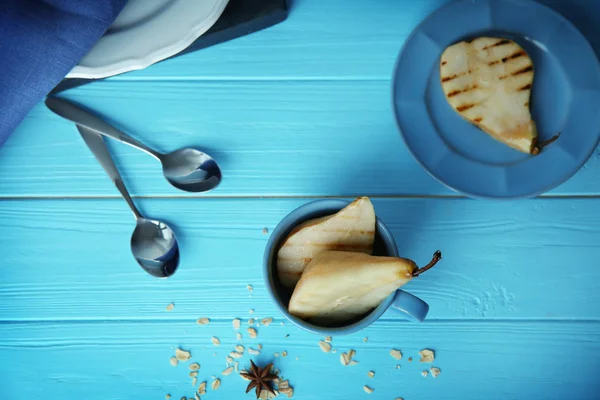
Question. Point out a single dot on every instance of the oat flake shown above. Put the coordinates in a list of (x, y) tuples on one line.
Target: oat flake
[(237, 323), (325, 347), (252, 333), (427, 355), (397, 354)]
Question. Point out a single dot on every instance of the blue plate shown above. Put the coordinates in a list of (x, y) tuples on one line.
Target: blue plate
[(565, 99)]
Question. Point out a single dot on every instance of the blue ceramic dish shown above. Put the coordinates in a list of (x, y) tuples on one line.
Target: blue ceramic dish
[(565, 99), (405, 305)]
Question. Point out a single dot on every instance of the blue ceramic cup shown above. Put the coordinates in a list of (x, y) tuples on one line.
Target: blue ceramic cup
[(403, 304)]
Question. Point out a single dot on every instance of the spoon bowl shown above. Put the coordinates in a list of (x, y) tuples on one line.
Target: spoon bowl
[(155, 248), (186, 169), (191, 170)]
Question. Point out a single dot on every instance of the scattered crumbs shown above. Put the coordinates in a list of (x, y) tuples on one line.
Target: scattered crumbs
[(425, 373), (237, 366), (351, 354), (265, 231), (184, 398), (173, 361), (326, 347), (282, 323), (397, 366), (370, 374), (203, 321), (409, 359), (167, 396), (297, 358), (287, 335), (397, 354), (334, 351), (216, 384), (229, 359), (251, 311), (182, 355), (284, 353), (250, 288), (227, 371), (235, 354), (253, 352), (435, 371), (328, 339), (398, 398), (427, 355), (194, 381), (196, 397), (276, 354), (352, 362), (238, 336), (194, 366), (252, 333), (239, 348), (266, 321), (368, 389), (215, 341), (251, 321), (366, 339), (170, 306), (344, 360), (202, 388), (193, 374), (259, 346), (237, 323)]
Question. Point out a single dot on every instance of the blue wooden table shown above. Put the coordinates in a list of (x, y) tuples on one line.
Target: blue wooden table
[(515, 304)]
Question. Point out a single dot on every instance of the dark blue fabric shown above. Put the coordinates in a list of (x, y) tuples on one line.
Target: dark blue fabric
[(40, 42)]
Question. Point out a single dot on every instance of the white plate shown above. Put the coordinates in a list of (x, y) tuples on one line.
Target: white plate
[(145, 32)]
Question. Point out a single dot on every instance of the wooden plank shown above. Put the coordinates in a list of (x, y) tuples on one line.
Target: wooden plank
[(271, 138), (70, 259), (330, 40), (478, 360)]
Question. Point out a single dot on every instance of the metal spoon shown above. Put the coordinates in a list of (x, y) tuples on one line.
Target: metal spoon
[(187, 169), (153, 242)]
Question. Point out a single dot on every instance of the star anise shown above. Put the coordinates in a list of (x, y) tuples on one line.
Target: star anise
[(259, 378)]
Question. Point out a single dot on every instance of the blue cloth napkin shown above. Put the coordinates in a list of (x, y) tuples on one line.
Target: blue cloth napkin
[(40, 42)]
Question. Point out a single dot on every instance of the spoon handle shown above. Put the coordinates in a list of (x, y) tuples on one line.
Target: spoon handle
[(82, 117), (96, 144)]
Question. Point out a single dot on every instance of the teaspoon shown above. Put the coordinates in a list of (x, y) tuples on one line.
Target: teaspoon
[(153, 243), (186, 169)]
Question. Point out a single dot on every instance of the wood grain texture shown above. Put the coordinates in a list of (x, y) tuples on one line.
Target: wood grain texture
[(494, 360), (70, 259), (330, 40), (270, 138)]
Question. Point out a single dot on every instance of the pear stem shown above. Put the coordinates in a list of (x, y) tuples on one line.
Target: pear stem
[(539, 146), (437, 256)]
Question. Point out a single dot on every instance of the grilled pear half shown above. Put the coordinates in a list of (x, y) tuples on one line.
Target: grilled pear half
[(350, 229), (488, 82), (337, 286)]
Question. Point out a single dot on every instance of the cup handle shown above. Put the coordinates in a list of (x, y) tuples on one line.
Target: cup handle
[(411, 307)]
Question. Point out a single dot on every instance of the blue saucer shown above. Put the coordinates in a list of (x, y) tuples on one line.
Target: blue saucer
[(565, 98)]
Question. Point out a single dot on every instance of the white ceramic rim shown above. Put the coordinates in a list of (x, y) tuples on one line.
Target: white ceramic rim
[(197, 28)]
